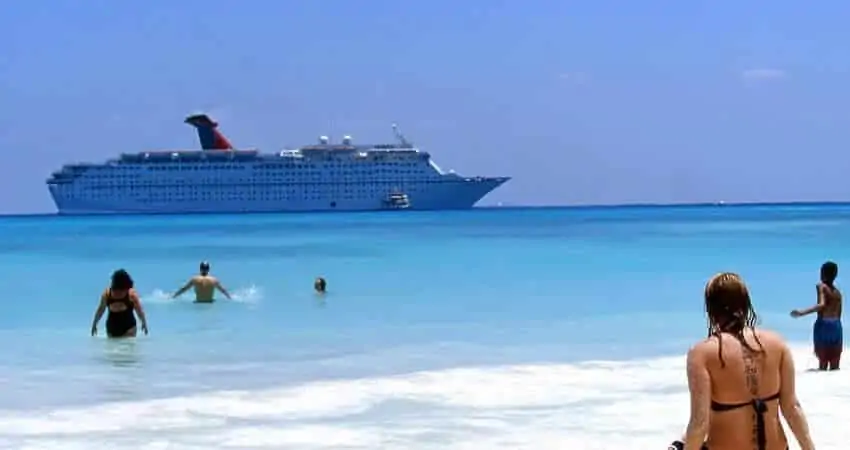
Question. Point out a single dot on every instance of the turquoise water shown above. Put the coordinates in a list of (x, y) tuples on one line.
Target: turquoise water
[(430, 319)]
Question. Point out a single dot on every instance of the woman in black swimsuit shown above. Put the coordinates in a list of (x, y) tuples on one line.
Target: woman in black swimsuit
[(123, 305), (740, 378)]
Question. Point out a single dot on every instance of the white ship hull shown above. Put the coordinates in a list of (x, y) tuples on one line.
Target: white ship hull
[(461, 194)]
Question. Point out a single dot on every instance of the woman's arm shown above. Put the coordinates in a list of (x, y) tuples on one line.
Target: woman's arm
[(790, 405), (140, 311), (101, 308), (699, 384)]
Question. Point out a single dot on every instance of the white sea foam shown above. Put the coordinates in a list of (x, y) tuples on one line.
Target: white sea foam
[(587, 406)]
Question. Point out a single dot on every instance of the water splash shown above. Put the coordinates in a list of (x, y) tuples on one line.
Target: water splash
[(157, 296), (251, 294)]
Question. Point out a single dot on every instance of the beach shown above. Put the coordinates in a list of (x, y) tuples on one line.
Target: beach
[(486, 329)]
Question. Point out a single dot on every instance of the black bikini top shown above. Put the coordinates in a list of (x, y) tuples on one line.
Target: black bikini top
[(758, 404), (760, 407)]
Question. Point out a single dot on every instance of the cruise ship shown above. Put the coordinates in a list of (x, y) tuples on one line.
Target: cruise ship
[(219, 178)]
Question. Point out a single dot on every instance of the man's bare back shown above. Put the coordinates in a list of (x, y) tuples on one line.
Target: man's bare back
[(831, 302), (205, 286)]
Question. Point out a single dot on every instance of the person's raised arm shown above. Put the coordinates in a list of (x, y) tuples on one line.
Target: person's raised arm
[(222, 289), (101, 307), (184, 288), (817, 307), (140, 311), (792, 411), (699, 385)]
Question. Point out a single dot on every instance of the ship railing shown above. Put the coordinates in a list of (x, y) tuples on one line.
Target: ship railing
[(192, 151), (399, 150)]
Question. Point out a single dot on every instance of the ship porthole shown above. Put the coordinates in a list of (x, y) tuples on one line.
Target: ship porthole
[(333, 204)]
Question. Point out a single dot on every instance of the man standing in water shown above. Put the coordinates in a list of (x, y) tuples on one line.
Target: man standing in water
[(828, 334), (204, 284)]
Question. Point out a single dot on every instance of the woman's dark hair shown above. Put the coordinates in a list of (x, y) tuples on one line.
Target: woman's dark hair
[(729, 309), (121, 281), (320, 284)]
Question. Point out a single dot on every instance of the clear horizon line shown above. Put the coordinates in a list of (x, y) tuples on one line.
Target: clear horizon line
[(487, 207)]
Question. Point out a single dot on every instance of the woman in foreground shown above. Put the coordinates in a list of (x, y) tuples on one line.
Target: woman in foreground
[(123, 304), (739, 378)]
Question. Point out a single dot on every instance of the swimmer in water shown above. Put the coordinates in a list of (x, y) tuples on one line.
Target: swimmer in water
[(828, 335), (320, 285), (123, 304), (204, 284)]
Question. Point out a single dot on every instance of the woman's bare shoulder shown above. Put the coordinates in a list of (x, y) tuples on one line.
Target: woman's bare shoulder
[(704, 346), (764, 333), (770, 338), (764, 336)]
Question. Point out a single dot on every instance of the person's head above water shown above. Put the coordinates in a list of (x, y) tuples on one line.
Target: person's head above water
[(121, 281), (204, 268), (320, 285), (828, 272), (728, 304)]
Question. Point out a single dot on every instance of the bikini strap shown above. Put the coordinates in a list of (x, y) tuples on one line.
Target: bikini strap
[(757, 403)]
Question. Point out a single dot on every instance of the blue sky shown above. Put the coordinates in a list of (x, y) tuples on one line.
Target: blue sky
[(581, 102)]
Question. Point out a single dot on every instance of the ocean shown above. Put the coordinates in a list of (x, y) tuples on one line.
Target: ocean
[(483, 329)]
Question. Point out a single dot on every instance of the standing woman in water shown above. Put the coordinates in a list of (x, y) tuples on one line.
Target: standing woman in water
[(123, 304), (739, 378)]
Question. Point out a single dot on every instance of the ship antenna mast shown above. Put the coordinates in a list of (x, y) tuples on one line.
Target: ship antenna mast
[(404, 142)]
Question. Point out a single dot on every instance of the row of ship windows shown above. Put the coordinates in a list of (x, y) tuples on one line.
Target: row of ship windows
[(183, 191), (247, 198), (246, 195), (169, 166), (279, 166), (278, 176), (203, 184)]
